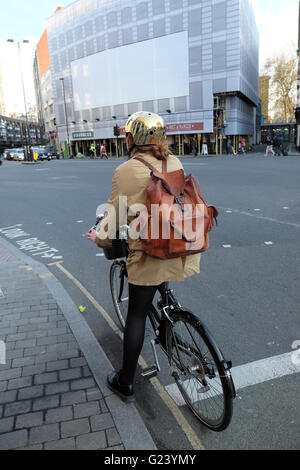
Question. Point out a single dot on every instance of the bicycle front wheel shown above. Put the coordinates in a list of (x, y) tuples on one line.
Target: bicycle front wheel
[(198, 370), (119, 290)]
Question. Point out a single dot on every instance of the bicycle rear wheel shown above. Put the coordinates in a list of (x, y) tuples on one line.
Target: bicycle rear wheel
[(200, 371), (119, 290)]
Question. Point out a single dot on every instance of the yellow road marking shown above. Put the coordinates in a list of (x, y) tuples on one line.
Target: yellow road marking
[(55, 264), (181, 420), (45, 276)]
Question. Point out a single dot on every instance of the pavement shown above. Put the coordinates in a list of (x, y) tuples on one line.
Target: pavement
[(53, 393)]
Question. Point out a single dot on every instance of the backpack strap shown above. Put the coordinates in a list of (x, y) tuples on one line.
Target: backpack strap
[(151, 167)]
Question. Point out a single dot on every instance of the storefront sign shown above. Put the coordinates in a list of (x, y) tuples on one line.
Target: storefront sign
[(83, 135), (185, 127)]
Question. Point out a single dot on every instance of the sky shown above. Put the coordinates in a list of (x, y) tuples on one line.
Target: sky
[(277, 21)]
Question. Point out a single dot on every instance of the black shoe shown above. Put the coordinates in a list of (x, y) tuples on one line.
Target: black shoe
[(123, 391)]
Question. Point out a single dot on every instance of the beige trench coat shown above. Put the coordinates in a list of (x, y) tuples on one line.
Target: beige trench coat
[(131, 179)]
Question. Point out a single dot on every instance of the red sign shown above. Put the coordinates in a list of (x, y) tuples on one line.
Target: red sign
[(185, 127), (53, 134)]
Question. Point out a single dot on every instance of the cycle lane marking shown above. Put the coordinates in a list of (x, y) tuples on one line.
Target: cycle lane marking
[(253, 373), (261, 217), (160, 389)]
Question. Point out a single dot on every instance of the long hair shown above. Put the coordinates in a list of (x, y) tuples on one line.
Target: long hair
[(160, 151)]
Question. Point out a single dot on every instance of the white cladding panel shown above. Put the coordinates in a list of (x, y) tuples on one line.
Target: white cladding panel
[(143, 71)]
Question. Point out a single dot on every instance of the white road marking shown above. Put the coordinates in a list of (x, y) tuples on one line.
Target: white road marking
[(100, 254), (228, 212), (252, 373), (285, 208), (49, 223), (268, 219), (227, 246), (80, 221), (257, 210), (269, 243)]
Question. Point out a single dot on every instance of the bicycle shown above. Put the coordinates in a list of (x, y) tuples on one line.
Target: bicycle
[(197, 365)]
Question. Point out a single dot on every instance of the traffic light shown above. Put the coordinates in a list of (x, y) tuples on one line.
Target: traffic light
[(54, 121), (117, 131)]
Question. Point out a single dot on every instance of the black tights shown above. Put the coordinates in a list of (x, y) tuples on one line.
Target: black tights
[(140, 300)]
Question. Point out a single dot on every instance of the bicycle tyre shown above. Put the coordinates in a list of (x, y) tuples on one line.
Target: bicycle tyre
[(228, 393), (118, 274)]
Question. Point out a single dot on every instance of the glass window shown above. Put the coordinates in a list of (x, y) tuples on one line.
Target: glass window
[(100, 41), (195, 56), (127, 36), (112, 19), (62, 41), (193, 2), (176, 23), (78, 33), (71, 54), (69, 36), (219, 55), (195, 20), (113, 39), (219, 16), (119, 110), (148, 106), (88, 28), (143, 32), (196, 98), (90, 49), (158, 7), (126, 15), (176, 4), (79, 51), (163, 105), (159, 28), (142, 11), (180, 103), (133, 108), (99, 24)]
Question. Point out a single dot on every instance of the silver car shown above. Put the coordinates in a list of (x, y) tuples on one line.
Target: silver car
[(19, 155)]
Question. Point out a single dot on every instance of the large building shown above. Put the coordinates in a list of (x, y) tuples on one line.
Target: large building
[(2, 102), (193, 61), (43, 89)]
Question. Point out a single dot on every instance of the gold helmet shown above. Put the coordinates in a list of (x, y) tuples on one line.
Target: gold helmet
[(146, 128)]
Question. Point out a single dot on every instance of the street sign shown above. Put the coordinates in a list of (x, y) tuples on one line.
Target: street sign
[(83, 135)]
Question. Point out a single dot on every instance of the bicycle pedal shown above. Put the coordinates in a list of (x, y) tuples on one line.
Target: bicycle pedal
[(150, 372)]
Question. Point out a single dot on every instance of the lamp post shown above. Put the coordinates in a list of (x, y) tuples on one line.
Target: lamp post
[(27, 137), (67, 126)]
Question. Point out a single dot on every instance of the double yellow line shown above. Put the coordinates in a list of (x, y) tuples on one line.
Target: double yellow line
[(174, 409)]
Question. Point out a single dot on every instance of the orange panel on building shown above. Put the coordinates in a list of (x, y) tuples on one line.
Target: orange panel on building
[(43, 54)]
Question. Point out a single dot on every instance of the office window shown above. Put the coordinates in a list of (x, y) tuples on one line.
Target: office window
[(180, 103), (112, 19), (142, 11), (69, 37), (143, 32), (219, 55), (163, 105), (126, 15), (219, 16), (176, 4), (106, 111), (119, 110), (195, 57), (71, 54), (133, 108), (100, 43), (158, 7), (99, 24), (176, 23), (159, 28), (62, 41), (148, 106), (127, 36), (193, 2), (79, 51), (78, 33), (196, 95), (113, 39), (90, 48), (195, 22), (88, 28)]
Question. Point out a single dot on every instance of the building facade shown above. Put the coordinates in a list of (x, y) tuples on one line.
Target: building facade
[(43, 90), (264, 95), (195, 62), (2, 102)]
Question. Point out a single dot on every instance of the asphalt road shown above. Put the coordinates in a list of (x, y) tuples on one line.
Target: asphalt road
[(247, 292)]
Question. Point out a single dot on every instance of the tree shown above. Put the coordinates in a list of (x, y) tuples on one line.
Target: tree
[(283, 91)]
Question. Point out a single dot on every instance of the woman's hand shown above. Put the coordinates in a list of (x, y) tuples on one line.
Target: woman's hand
[(92, 235)]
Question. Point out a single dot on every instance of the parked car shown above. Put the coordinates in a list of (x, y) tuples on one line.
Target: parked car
[(19, 155), (8, 154), (41, 152), (51, 152)]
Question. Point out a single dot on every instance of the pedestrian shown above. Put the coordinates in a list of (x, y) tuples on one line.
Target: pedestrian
[(145, 138), (243, 144), (98, 151), (269, 148), (103, 152), (229, 146), (92, 151)]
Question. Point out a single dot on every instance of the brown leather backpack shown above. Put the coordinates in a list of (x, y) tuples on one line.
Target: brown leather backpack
[(178, 220)]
